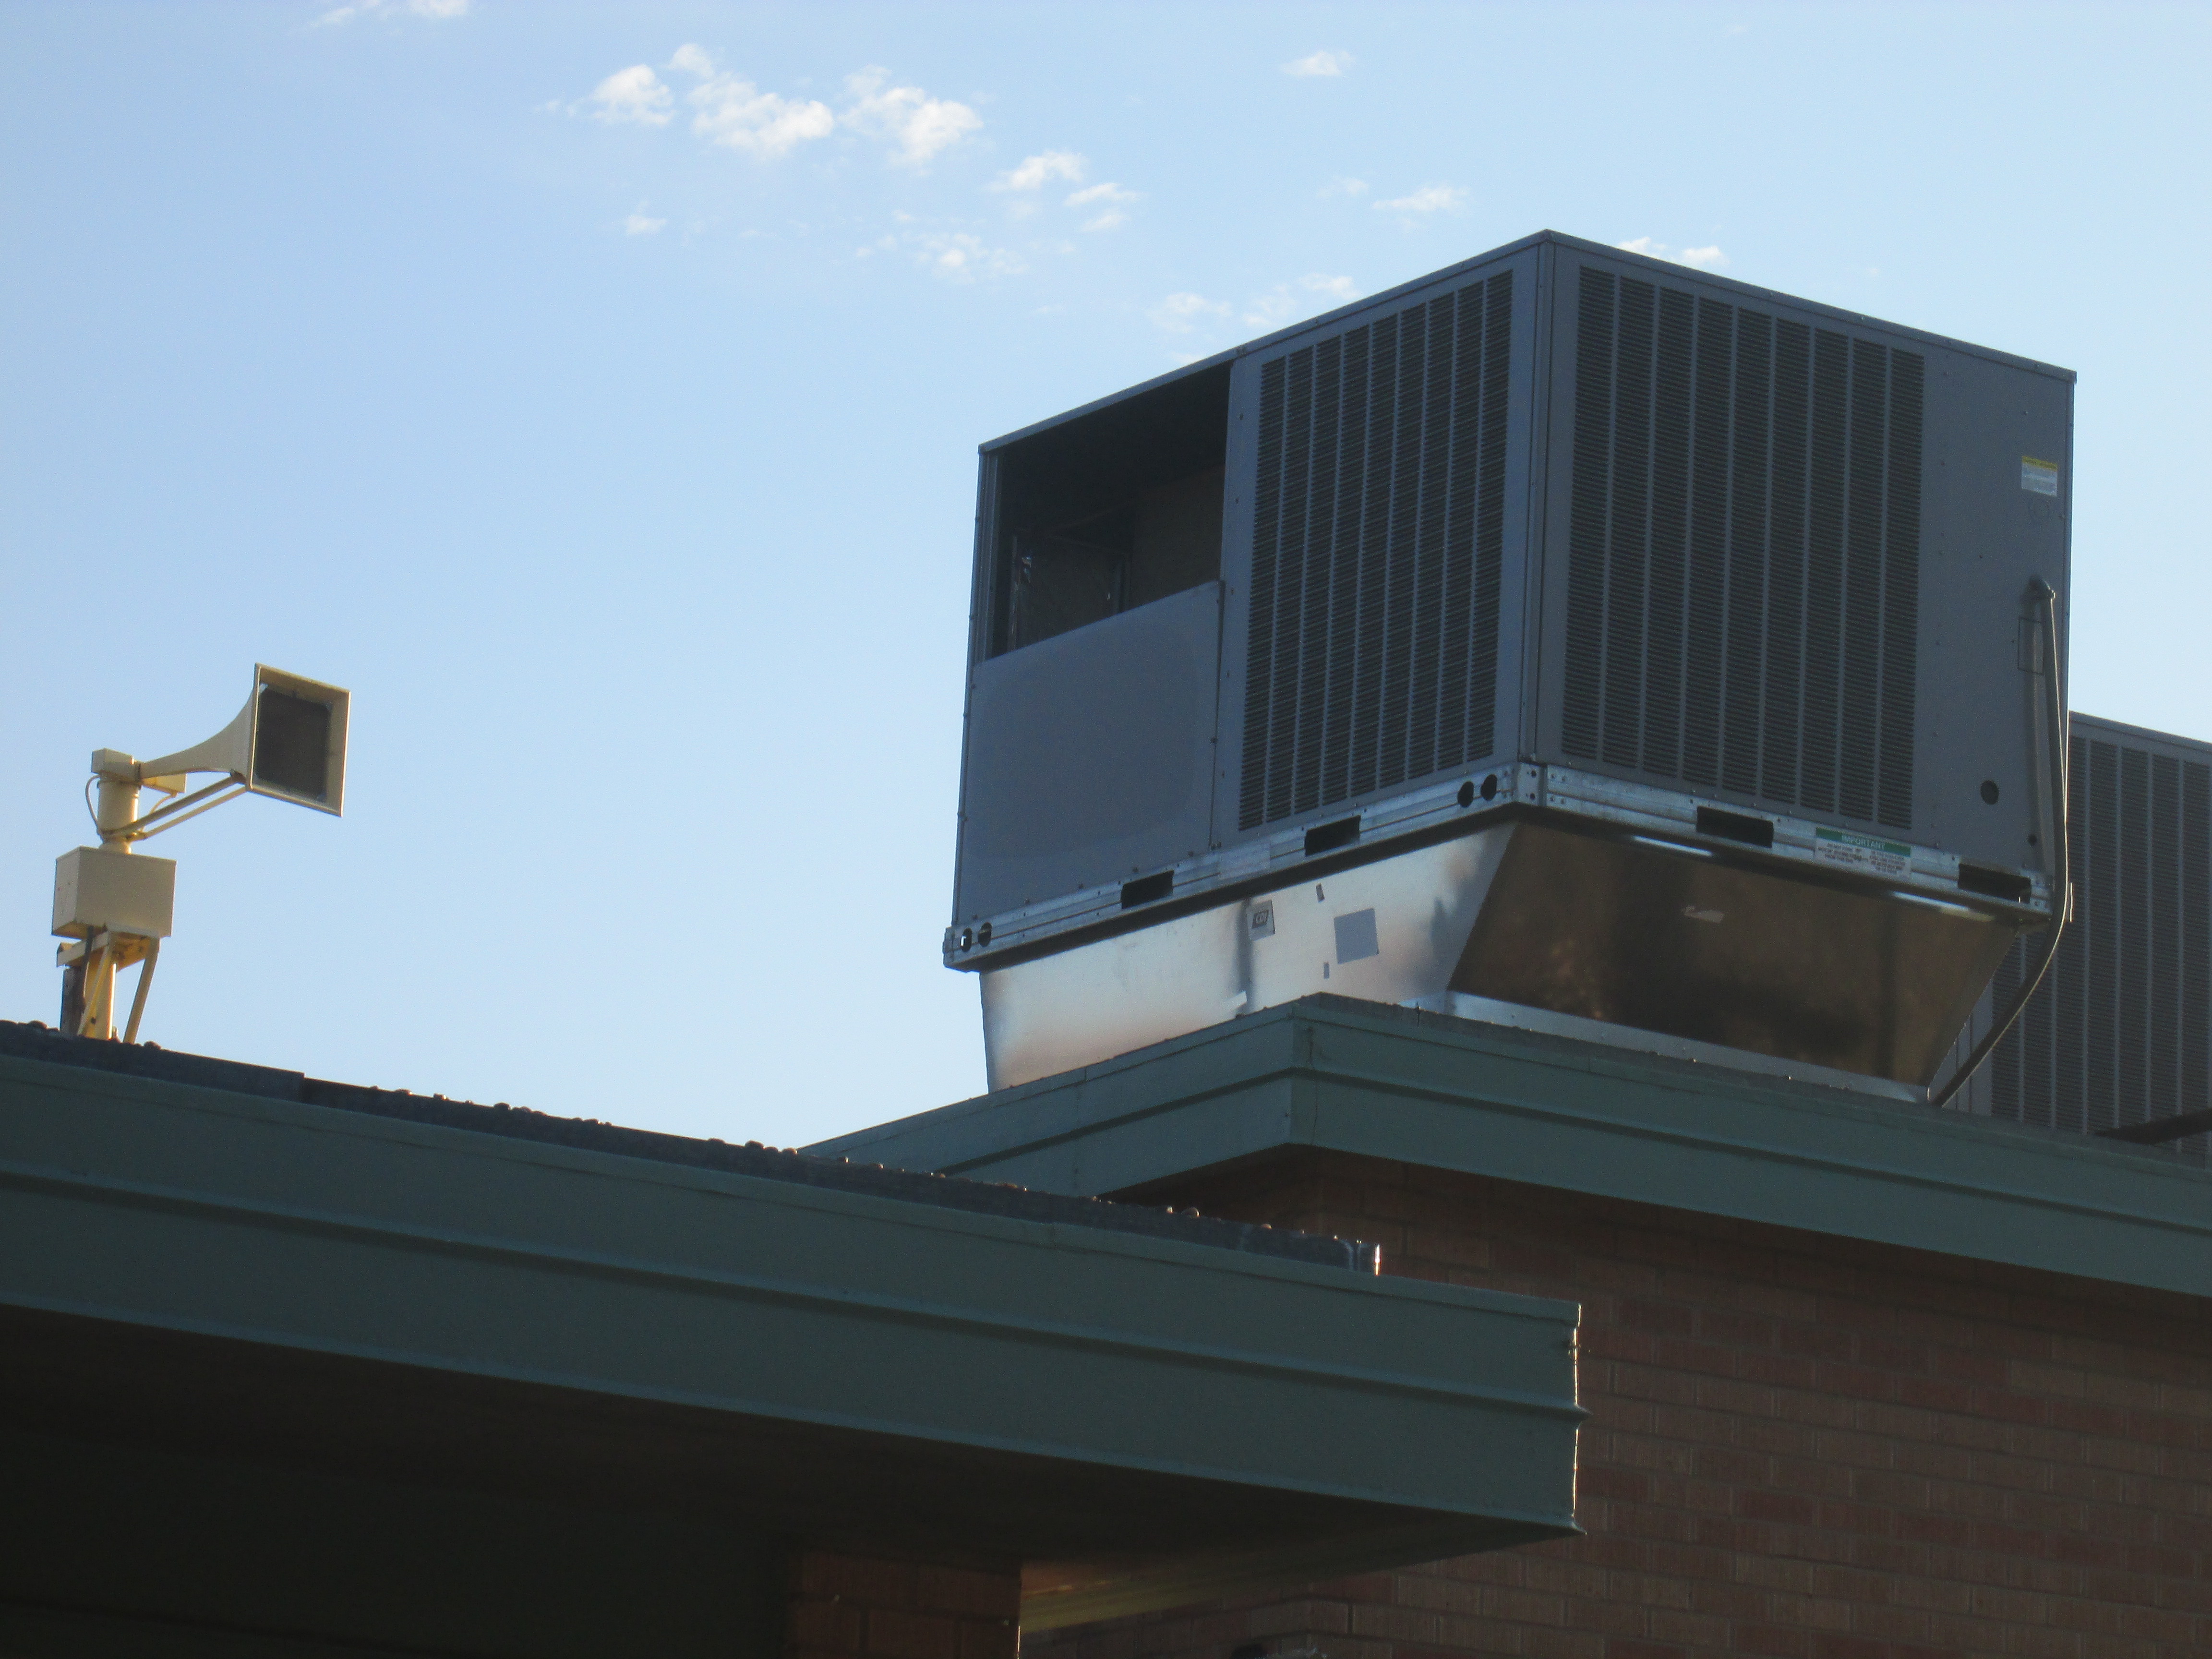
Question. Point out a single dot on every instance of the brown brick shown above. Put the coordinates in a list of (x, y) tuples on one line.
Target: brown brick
[(1798, 1445), (963, 1590), (896, 1633)]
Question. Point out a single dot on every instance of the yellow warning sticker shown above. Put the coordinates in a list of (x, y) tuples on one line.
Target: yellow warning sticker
[(2040, 477)]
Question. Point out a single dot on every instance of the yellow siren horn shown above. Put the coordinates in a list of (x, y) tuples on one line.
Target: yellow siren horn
[(288, 742)]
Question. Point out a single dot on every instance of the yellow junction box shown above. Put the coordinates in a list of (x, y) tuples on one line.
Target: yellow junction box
[(120, 892)]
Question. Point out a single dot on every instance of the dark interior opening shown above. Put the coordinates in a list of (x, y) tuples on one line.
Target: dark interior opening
[(1147, 889), (1328, 837), (1110, 510), (1735, 826), (1996, 883)]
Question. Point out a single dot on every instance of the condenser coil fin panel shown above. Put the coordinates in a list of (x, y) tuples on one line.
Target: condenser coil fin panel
[(1743, 581), (2120, 1031), (1378, 512)]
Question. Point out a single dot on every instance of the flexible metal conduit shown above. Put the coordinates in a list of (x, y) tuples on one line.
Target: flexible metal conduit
[(2041, 595)]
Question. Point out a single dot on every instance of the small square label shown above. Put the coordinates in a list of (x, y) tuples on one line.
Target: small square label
[(2041, 478), (1355, 938), (1261, 920)]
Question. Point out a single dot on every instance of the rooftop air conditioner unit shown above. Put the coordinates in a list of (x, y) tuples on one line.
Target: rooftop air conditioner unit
[(2118, 1039), (1567, 631)]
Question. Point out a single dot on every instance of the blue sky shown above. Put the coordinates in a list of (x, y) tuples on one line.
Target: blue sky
[(594, 390)]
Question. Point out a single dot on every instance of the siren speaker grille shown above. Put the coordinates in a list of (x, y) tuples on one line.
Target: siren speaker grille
[(291, 744), (1743, 582), (1378, 526), (2120, 1031)]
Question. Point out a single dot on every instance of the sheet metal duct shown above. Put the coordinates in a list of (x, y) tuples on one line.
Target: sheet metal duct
[(1605, 929)]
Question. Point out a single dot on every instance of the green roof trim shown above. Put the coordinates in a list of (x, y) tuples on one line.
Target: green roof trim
[(1455, 1094), (1202, 1417)]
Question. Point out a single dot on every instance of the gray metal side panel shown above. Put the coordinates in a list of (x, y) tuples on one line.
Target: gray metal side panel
[(1452, 1094), (1090, 754), (1243, 468), (982, 605), (1982, 537)]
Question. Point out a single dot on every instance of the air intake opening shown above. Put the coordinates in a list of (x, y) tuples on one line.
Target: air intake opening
[(1328, 837), (1146, 889), (1996, 883), (1111, 510), (1735, 826)]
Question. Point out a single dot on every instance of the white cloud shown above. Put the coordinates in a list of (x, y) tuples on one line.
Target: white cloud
[(692, 60), (440, 10), (1112, 218), (734, 113), (635, 93), (1037, 171), (637, 224), (1285, 301), (961, 257), (1704, 259), (731, 110), (1181, 313), (1429, 198), (921, 125), (1345, 187), (955, 256), (1319, 62)]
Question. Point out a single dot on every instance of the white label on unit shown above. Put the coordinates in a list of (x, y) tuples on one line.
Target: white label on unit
[(1262, 919), (1884, 858), (2041, 476)]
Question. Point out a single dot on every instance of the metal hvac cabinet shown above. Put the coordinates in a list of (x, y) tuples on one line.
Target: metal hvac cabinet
[(1621, 641), (2118, 1036)]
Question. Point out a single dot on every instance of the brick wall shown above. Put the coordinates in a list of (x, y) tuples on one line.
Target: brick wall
[(844, 1606), (1800, 1446)]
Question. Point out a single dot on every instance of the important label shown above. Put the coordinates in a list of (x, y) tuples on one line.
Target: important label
[(2041, 478), (1868, 853)]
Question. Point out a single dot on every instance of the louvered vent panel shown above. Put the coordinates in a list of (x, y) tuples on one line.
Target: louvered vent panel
[(2121, 1030), (1378, 538), (1743, 580)]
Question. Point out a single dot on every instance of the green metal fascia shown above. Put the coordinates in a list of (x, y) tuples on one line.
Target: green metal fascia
[(199, 1209), (1450, 1094)]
